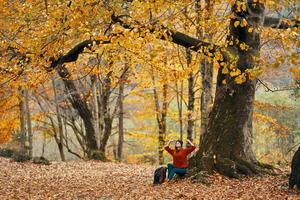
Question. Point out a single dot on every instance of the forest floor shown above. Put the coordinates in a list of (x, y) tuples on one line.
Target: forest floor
[(107, 180)]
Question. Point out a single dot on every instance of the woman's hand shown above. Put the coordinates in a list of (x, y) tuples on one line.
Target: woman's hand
[(168, 144), (190, 142)]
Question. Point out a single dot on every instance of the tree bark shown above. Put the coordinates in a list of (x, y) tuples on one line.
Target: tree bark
[(206, 94), (191, 99)]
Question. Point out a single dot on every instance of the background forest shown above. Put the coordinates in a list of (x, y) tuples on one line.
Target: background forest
[(126, 92)]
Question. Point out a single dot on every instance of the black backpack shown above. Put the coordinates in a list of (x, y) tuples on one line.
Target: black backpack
[(160, 175)]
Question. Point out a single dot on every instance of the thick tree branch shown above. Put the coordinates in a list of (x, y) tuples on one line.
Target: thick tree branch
[(281, 23), (73, 54), (174, 36)]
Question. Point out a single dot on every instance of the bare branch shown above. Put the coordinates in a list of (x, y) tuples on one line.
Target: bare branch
[(281, 23), (268, 89)]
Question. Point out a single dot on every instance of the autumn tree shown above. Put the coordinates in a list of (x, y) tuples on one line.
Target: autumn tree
[(226, 145)]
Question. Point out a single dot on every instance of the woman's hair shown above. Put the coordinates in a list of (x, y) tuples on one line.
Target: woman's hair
[(180, 141)]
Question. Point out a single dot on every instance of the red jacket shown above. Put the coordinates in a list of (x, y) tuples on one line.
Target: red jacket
[(180, 157)]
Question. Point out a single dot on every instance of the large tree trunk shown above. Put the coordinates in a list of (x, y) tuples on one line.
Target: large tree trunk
[(82, 108), (294, 178), (226, 146)]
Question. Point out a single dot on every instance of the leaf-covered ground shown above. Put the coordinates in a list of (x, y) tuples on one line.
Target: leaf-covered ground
[(98, 180)]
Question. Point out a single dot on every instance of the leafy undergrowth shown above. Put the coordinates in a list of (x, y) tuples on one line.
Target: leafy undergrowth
[(98, 180)]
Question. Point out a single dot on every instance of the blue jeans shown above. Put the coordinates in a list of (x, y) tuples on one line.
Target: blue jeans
[(173, 170)]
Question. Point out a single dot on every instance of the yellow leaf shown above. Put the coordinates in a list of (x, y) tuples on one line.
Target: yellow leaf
[(243, 46), (236, 23), (235, 73), (240, 79), (253, 73), (225, 70), (244, 7), (243, 23)]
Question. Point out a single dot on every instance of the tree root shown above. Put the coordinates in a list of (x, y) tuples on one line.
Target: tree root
[(233, 168), (202, 177), (237, 167)]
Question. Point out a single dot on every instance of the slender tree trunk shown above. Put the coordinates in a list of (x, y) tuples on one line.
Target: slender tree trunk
[(179, 98), (22, 122), (121, 112), (163, 132), (106, 113), (162, 123), (29, 126), (121, 122), (96, 109), (161, 117), (58, 137), (191, 99), (59, 123), (191, 94), (206, 68), (226, 146), (100, 108)]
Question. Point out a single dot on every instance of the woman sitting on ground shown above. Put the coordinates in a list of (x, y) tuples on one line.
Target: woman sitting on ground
[(180, 161)]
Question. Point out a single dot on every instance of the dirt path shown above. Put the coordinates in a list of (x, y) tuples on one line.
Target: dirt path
[(105, 181)]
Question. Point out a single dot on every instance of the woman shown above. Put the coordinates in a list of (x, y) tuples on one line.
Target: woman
[(180, 161)]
